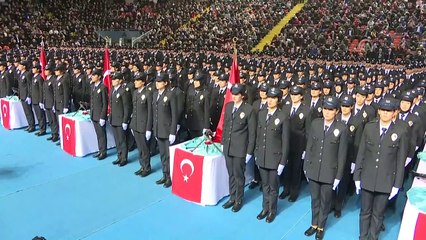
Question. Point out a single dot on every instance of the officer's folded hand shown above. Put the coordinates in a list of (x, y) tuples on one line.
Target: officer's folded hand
[(358, 187), (172, 139), (101, 122), (41, 105), (352, 168), (335, 183), (65, 110), (407, 161), (393, 193), (124, 125), (28, 100), (280, 169), (248, 157), (303, 154), (148, 135)]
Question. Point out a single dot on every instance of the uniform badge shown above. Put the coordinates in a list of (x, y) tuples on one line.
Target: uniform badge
[(35, 80), (59, 84), (364, 114), (201, 97), (165, 99), (79, 80), (23, 77), (287, 103), (319, 109), (118, 95), (301, 115), (127, 89), (336, 132), (99, 90), (394, 136), (277, 121), (410, 123), (242, 115), (150, 89), (143, 97), (416, 113), (352, 128), (49, 84)]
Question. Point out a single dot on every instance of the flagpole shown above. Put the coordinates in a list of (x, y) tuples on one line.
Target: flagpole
[(235, 40)]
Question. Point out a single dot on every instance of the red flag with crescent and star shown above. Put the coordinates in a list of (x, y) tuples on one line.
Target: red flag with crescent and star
[(43, 62), (234, 78), (68, 135), (187, 175), (5, 113)]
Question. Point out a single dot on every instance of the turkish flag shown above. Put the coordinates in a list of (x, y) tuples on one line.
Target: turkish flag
[(5, 113), (187, 175), (234, 78), (68, 135), (420, 230), (43, 62)]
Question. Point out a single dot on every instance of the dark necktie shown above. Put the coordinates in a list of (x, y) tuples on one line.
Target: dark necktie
[(312, 105), (345, 122), (233, 111), (357, 111), (262, 105), (293, 112), (402, 116), (383, 133), (268, 117)]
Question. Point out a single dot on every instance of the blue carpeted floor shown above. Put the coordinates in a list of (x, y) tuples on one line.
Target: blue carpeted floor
[(44, 191)]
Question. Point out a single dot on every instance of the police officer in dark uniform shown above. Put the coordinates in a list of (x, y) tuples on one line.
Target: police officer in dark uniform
[(164, 110), (324, 163), (24, 88), (6, 81), (119, 117), (48, 101), (299, 125), (98, 112), (272, 143), (78, 86), (141, 123), (314, 101), (379, 170), (239, 123), (216, 101), (37, 98), (197, 105)]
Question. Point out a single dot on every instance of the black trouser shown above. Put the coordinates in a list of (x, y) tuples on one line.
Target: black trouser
[(321, 196), (101, 135), (120, 142), (29, 115), (41, 117), (344, 185), (293, 174), (163, 146), (257, 177), (373, 206), (144, 156), (130, 139), (51, 118), (195, 133), (55, 127), (236, 167), (270, 186)]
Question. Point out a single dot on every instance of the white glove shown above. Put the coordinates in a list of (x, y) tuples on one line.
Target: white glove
[(248, 157), (101, 122), (148, 135), (417, 147), (407, 161), (28, 100), (172, 139), (335, 184), (65, 110), (178, 127), (280, 169), (124, 125), (307, 179), (41, 105), (53, 109), (358, 187), (303, 155), (221, 148), (352, 168), (393, 193), (204, 131)]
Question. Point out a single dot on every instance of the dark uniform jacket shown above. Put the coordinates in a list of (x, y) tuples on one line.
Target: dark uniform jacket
[(299, 125), (142, 111), (164, 112), (380, 163), (120, 104), (37, 89), (6, 84), (62, 92), (24, 85), (326, 151), (48, 96), (98, 102), (197, 116)]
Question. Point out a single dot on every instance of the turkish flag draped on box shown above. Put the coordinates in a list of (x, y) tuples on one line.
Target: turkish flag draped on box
[(187, 175), (5, 112), (234, 78), (420, 229), (68, 135), (43, 62)]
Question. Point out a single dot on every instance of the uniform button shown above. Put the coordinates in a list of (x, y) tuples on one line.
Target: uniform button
[(378, 152), (377, 166), (320, 153), (320, 160), (377, 160)]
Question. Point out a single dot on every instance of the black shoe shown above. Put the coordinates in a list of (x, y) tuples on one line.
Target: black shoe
[(319, 235), (292, 199), (237, 206), (283, 195), (310, 231), (117, 161), (40, 133), (49, 138), (138, 172), (145, 173), (102, 156), (31, 129), (122, 163), (262, 215), (58, 144), (168, 183), (337, 214), (161, 181), (382, 228), (270, 218), (253, 185), (26, 129), (96, 155), (55, 139), (228, 204)]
